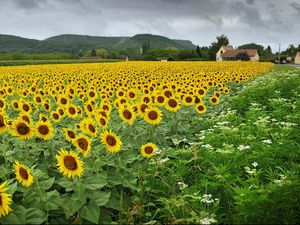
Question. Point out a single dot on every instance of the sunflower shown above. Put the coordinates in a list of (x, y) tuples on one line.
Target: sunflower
[(101, 121), (5, 200), (148, 150), (214, 100), (83, 144), (2, 122), (25, 117), (71, 111), (111, 141), (69, 164), (153, 115), (44, 130), (127, 114), (88, 126), (26, 107), (69, 134), (23, 174), (160, 99), (55, 116), (2, 104), (21, 129), (172, 105), (200, 108), (15, 104), (188, 100)]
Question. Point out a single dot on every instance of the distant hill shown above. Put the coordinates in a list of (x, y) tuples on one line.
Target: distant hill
[(68, 43)]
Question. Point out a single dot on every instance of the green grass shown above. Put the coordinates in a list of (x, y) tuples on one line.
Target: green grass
[(64, 61), (245, 153)]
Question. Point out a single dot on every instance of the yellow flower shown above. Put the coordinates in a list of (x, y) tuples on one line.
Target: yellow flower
[(5, 200), (69, 164), (127, 114), (69, 134), (83, 144), (153, 115), (148, 150), (21, 129), (200, 108), (2, 123), (111, 142), (23, 174), (172, 105), (44, 130)]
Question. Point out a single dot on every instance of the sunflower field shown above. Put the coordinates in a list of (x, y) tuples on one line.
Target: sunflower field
[(113, 142)]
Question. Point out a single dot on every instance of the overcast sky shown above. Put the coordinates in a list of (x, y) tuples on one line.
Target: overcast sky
[(243, 21)]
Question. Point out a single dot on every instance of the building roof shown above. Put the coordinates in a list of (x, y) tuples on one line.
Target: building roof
[(228, 47), (234, 53)]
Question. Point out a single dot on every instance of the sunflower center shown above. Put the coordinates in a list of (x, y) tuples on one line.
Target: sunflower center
[(22, 129), (153, 115), (131, 95), (44, 129), (214, 100), (102, 121), (143, 107), (2, 121), (16, 105), (0, 200), (105, 107), (92, 128), (71, 134), (148, 149), (92, 94), (200, 107), (47, 106), (1, 103), (23, 173), (188, 99), (89, 108), (172, 103), (55, 116), (71, 110), (83, 143), (111, 140), (26, 107), (160, 99), (70, 162), (38, 99), (168, 94), (61, 112), (127, 114), (201, 92), (63, 101)]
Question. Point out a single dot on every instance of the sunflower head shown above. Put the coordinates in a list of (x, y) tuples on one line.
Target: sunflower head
[(23, 174), (5, 200), (21, 129), (153, 115), (83, 144), (69, 164), (200, 108), (69, 134), (3, 125), (148, 150), (44, 130), (127, 114), (111, 142)]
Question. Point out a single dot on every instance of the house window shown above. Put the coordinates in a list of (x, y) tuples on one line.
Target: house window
[(221, 52)]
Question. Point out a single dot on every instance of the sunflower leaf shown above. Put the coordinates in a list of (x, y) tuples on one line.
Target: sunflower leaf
[(90, 212)]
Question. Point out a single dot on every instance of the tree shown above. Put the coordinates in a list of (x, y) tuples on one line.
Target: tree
[(243, 56), (198, 51), (269, 50), (93, 53), (102, 52), (222, 40)]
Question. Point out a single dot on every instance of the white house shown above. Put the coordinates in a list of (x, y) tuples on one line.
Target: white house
[(297, 58), (228, 53)]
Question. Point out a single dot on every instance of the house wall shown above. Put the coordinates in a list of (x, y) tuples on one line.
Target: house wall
[(255, 58), (297, 59), (218, 57)]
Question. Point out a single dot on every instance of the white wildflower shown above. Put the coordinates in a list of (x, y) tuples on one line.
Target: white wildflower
[(243, 147), (268, 141), (182, 185), (255, 164)]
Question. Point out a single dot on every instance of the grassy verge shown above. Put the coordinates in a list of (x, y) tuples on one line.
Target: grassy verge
[(42, 62), (241, 166)]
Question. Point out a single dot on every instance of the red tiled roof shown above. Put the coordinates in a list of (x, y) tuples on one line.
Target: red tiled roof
[(228, 47), (233, 53)]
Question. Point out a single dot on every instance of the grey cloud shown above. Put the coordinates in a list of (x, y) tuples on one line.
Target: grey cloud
[(198, 20)]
